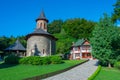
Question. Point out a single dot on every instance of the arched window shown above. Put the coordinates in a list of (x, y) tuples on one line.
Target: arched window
[(44, 26), (40, 25)]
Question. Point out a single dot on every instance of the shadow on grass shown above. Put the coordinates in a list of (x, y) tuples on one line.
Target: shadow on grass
[(4, 65)]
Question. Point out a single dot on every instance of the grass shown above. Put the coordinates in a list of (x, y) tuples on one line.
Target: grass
[(18, 72), (108, 74)]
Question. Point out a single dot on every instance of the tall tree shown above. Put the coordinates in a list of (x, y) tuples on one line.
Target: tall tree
[(105, 35), (55, 26), (64, 42), (78, 28), (116, 13)]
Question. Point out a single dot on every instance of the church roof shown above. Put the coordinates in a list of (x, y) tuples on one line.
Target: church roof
[(16, 46), (40, 32), (42, 16)]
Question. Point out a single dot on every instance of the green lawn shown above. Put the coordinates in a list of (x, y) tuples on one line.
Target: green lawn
[(108, 74), (18, 72)]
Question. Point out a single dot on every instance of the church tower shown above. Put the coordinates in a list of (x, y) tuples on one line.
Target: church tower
[(42, 21), (40, 42)]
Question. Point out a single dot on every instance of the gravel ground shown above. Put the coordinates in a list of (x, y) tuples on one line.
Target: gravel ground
[(81, 72)]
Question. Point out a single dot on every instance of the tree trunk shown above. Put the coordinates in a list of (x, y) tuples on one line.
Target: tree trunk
[(109, 65)]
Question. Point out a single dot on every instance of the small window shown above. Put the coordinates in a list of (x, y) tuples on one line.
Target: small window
[(40, 25), (44, 26), (43, 51)]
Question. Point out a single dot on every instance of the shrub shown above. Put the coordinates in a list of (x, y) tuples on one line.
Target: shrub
[(117, 65), (37, 60), (34, 60), (56, 60), (95, 73), (46, 60), (12, 59)]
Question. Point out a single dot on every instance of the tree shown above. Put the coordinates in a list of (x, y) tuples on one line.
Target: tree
[(64, 42), (55, 26), (105, 38), (78, 28), (116, 13)]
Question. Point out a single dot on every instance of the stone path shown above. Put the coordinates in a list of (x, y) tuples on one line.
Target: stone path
[(81, 72)]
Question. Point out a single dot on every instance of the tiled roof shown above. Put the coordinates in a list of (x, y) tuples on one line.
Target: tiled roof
[(79, 42), (16, 46), (40, 32)]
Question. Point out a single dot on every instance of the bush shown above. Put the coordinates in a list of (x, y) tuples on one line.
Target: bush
[(12, 59), (46, 60), (95, 73), (34, 60), (117, 65), (37, 60), (56, 60)]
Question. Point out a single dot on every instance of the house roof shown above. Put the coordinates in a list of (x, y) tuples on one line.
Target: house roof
[(42, 16), (79, 42), (16, 46), (40, 32)]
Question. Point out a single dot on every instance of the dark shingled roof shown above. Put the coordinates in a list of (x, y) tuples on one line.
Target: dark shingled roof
[(79, 42), (40, 32), (42, 16), (16, 46)]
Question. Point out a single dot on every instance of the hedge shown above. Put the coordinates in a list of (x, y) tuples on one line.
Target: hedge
[(12, 59), (37, 60), (117, 65), (56, 59), (95, 73)]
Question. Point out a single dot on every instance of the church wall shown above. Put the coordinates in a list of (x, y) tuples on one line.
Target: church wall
[(39, 45)]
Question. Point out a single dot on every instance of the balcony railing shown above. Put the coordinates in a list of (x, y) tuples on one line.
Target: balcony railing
[(86, 50)]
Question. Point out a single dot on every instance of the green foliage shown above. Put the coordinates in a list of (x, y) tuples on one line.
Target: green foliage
[(117, 65), (116, 13), (12, 59), (55, 26), (78, 28), (95, 73), (56, 60), (37, 60), (105, 38), (64, 42), (46, 60), (34, 60)]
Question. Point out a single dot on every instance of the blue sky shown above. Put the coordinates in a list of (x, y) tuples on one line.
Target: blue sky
[(17, 17)]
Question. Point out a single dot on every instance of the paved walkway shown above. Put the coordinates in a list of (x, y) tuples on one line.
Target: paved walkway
[(81, 72)]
